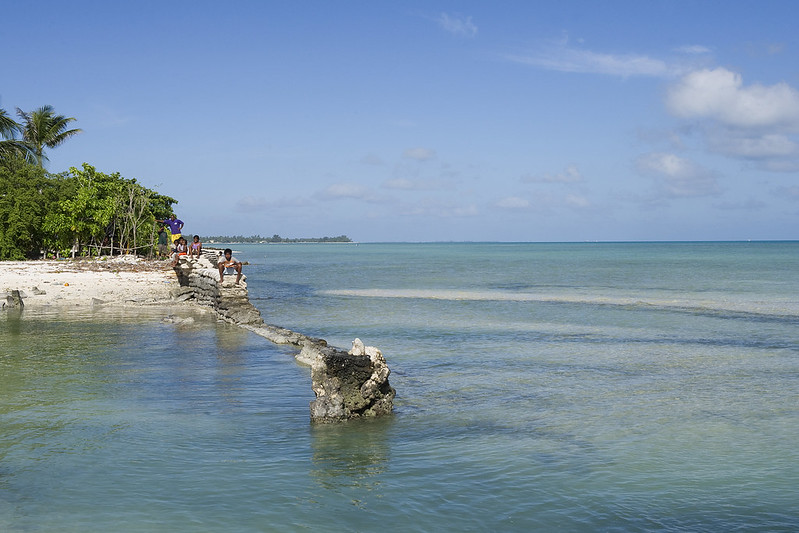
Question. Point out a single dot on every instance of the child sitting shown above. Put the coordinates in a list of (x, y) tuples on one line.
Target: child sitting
[(196, 247), (180, 249)]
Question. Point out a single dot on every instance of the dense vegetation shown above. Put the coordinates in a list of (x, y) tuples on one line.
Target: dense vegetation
[(80, 211), (272, 239)]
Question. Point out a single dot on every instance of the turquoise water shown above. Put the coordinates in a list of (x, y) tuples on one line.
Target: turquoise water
[(577, 387)]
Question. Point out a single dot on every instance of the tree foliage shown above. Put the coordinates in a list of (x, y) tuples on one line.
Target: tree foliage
[(26, 194), (81, 210), (107, 211)]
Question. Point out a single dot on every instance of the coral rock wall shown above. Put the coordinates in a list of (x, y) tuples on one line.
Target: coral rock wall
[(347, 385)]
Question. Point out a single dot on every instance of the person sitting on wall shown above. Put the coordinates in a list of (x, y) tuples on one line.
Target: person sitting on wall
[(228, 261), (180, 249), (196, 247)]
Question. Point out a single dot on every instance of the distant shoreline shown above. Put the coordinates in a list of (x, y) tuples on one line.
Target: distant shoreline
[(745, 241), (278, 243), (274, 239)]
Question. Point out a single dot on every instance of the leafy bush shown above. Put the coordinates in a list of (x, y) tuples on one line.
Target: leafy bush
[(82, 209)]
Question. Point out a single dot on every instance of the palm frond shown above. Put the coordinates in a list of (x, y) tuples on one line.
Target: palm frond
[(8, 127), (13, 148)]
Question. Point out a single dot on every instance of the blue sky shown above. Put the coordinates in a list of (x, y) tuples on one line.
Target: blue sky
[(426, 120)]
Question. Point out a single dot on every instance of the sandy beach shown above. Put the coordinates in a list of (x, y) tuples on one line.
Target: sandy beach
[(121, 280)]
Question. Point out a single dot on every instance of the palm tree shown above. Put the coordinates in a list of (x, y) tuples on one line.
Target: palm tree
[(10, 146), (8, 128), (42, 127)]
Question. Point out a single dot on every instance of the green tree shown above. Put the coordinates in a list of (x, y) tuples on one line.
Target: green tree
[(105, 211), (43, 128), (81, 218), (83, 209), (26, 196)]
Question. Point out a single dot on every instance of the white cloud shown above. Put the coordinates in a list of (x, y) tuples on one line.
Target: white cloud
[(719, 95), (759, 49), (354, 191), (463, 211), (253, 203), (405, 184), (402, 123), (579, 201), (401, 184), (259, 203), (780, 165), (419, 154), (372, 159), (677, 177), (664, 164), (773, 145), (775, 48), (440, 208), (346, 190), (693, 49), (513, 202), (570, 175), (562, 57), (754, 122), (457, 25)]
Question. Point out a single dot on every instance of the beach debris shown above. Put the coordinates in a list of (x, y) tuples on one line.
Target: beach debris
[(172, 319)]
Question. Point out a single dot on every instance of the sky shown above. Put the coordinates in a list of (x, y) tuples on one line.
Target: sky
[(429, 120)]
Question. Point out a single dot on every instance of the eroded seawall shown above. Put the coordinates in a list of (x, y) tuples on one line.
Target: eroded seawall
[(348, 384)]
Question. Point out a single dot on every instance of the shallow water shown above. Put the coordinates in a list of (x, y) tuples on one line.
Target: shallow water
[(576, 387)]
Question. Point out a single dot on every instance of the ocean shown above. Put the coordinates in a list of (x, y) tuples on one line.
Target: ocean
[(540, 387)]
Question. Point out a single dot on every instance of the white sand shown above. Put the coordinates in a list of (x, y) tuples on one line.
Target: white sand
[(123, 280)]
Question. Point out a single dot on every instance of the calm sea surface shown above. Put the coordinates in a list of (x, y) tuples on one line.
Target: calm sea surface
[(570, 387)]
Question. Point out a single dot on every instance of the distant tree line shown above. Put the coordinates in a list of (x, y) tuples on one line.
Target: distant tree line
[(257, 239), (77, 212)]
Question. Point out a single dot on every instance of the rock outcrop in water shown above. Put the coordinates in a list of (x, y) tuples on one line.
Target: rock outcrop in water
[(14, 300), (350, 384), (347, 385)]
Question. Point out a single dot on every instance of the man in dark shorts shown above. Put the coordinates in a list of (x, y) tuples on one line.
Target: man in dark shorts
[(228, 261), (163, 243)]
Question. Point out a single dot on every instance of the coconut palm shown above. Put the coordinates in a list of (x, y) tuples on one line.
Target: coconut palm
[(10, 146), (8, 128), (8, 133), (42, 127)]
